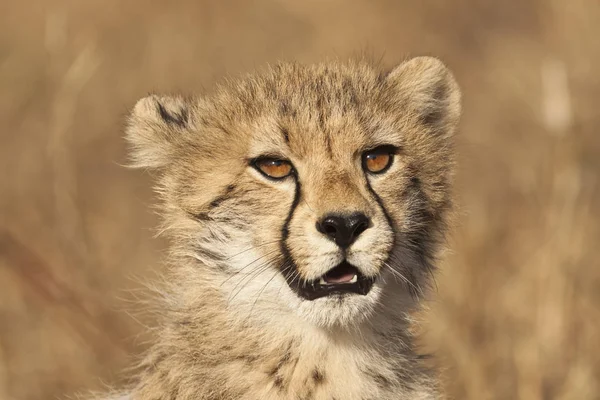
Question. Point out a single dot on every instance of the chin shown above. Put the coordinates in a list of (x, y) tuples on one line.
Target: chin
[(339, 309)]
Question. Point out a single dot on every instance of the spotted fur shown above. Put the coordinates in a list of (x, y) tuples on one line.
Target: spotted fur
[(234, 328)]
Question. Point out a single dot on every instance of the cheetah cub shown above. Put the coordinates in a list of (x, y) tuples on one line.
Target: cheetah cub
[(305, 205)]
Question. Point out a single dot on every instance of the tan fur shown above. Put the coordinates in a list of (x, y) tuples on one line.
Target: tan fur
[(234, 329)]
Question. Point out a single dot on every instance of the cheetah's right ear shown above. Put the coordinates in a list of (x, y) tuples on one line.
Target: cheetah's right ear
[(155, 127)]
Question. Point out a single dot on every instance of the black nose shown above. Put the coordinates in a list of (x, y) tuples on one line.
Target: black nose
[(343, 229)]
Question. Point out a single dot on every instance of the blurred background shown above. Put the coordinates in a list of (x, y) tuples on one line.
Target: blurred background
[(517, 309)]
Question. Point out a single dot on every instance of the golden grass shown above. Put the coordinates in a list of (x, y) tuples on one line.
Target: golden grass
[(517, 313)]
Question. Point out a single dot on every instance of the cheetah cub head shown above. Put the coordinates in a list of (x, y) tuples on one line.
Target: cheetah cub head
[(310, 192)]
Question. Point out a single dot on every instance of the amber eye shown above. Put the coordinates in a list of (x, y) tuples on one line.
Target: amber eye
[(379, 159), (273, 168)]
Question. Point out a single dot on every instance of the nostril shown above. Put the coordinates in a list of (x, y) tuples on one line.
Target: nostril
[(330, 229), (360, 228)]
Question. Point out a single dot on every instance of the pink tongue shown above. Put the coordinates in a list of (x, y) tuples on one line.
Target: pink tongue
[(343, 277)]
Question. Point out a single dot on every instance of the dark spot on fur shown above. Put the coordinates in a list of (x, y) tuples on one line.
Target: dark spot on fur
[(273, 371), (286, 357), (199, 216), (163, 375), (223, 128), (322, 120), (328, 143), (180, 119), (247, 358), (284, 107), (286, 134), (174, 392), (320, 113), (382, 381), (307, 396), (382, 76), (350, 92), (233, 221), (278, 382), (221, 198), (318, 377)]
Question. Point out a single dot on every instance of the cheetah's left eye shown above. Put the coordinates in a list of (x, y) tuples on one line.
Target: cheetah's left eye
[(378, 160)]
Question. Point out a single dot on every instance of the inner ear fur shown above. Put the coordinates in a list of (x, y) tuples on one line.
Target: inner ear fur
[(155, 127), (429, 90)]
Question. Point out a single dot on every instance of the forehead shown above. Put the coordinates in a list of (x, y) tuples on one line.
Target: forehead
[(312, 110), (336, 137)]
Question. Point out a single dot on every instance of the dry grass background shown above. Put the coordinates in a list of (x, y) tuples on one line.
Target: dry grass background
[(517, 313)]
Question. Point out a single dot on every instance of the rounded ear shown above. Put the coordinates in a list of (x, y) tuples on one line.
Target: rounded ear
[(155, 126), (428, 89)]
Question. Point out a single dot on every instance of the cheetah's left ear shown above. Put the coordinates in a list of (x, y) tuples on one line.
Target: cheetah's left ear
[(156, 127), (428, 88)]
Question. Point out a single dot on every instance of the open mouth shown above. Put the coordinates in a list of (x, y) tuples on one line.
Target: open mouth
[(344, 278)]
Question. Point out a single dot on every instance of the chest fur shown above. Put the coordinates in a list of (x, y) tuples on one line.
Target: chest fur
[(313, 372), (287, 372)]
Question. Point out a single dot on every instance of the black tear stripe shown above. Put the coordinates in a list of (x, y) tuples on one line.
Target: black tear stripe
[(420, 241), (289, 266), (180, 119), (389, 219)]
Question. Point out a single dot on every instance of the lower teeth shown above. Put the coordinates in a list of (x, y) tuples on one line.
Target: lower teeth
[(322, 281)]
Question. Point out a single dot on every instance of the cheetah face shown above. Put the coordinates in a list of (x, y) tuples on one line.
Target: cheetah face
[(337, 234), (317, 191)]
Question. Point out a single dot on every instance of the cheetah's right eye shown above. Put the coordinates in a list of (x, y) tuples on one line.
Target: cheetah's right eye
[(273, 168)]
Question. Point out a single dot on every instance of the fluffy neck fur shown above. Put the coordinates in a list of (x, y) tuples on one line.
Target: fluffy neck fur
[(210, 347)]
